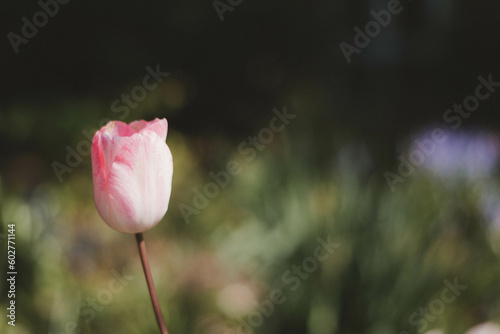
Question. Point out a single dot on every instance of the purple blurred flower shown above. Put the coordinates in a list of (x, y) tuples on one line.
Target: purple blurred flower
[(469, 154)]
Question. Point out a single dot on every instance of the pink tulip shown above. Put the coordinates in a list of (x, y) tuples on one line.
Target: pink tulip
[(132, 170)]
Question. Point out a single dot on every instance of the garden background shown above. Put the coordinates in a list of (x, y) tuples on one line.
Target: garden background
[(370, 161)]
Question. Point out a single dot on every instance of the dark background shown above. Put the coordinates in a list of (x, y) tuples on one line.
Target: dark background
[(426, 59)]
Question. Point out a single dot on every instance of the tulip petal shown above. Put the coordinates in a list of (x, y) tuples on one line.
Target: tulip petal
[(100, 172), (139, 183), (138, 125), (158, 126), (117, 128)]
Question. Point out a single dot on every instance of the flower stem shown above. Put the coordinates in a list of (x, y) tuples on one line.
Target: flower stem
[(149, 279)]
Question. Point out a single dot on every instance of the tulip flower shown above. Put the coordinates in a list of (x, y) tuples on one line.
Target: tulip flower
[(132, 167), (132, 171)]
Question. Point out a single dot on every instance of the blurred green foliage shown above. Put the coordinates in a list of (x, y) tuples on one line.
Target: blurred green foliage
[(395, 250)]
